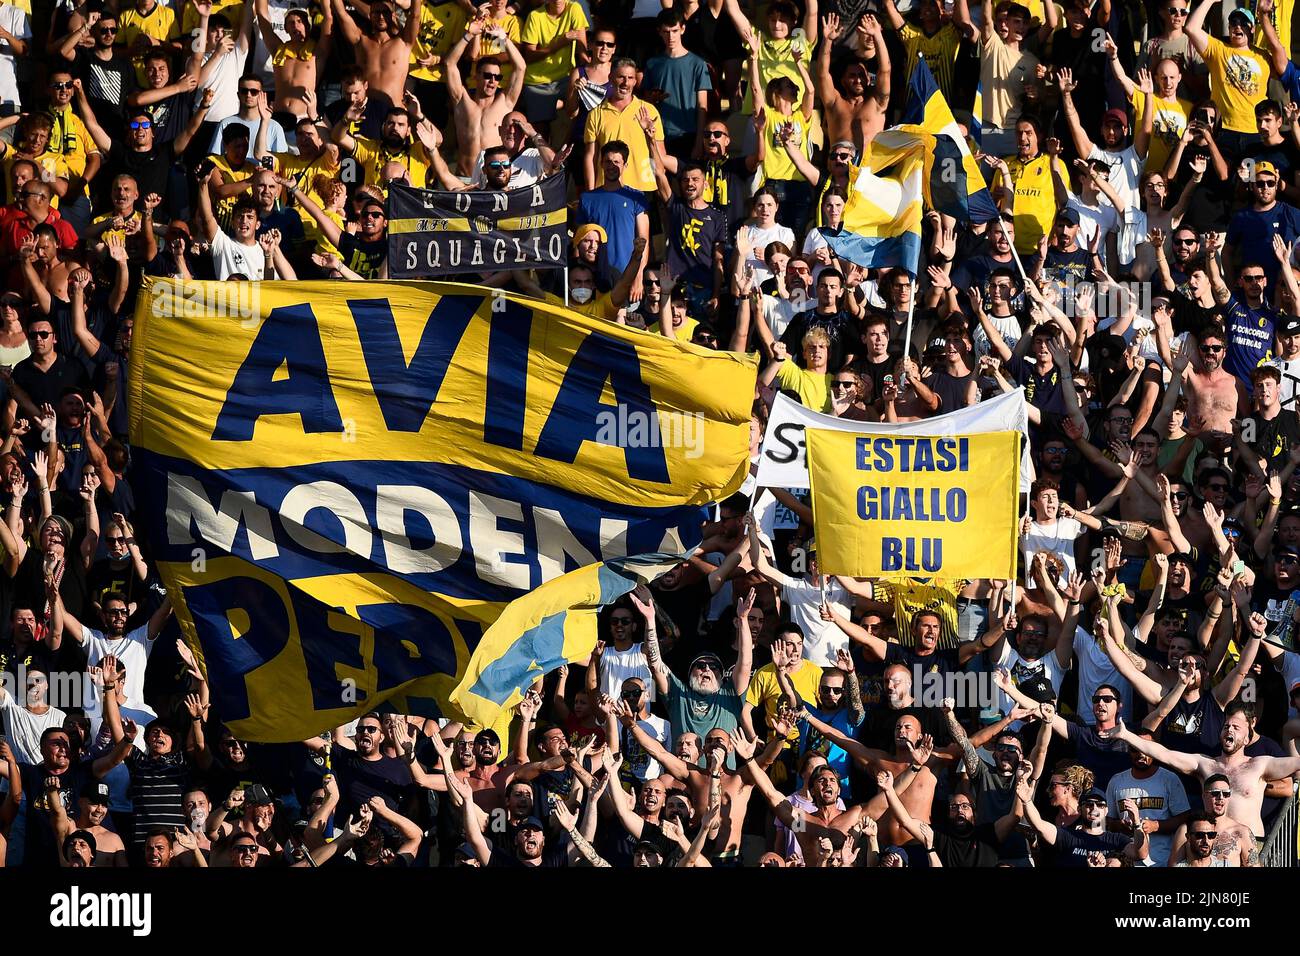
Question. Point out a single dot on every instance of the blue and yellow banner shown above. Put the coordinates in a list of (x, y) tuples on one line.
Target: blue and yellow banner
[(346, 486), (902, 505)]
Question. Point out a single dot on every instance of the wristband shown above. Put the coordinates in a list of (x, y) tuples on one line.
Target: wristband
[(1079, 603), (915, 769), (1275, 501)]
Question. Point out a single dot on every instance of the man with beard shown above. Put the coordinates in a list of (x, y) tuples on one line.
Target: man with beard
[(702, 703), (642, 823), (1213, 393), (1159, 797), (1248, 776), (363, 769), (726, 178), (385, 53), (258, 814), (839, 704), (640, 767), (1019, 654), (364, 253), (1223, 840), (1087, 836), (160, 849), (131, 648), (697, 235), (718, 785), (30, 644), (395, 143), (529, 847), (957, 841)]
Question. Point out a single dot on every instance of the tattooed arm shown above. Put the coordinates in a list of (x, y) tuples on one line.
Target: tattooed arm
[(645, 604)]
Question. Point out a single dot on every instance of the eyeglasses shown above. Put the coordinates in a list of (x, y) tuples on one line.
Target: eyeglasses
[(651, 280), (843, 157), (31, 194), (107, 30), (39, 335), (141, 124), (115, 539), (1212, 349), (621, 621), (372, 214), (1216, 487), (248, 89), (498, 164), (367, 730), (1258, 278), (245, 849), (1176, 11), (1219, 794), (1059, 784), (706, 666), (1007, 748), (115, 612), (831, 690), (1104, 699), (1231, 532)]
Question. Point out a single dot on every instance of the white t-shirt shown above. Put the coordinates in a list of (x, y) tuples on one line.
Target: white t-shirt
[(1159, 797), (1095, 669), (16, 22), (617, 666), (1058, 539), (528, 167), (275, 140), (23, 729), (1125, 172), (132, 650), (1102, 217), (1023, 671), (760, 239), (230, 258), (1290, 369), (778, 313), (141, 715), (821, 639), (1008, 327), (224, 83), (637, 760)]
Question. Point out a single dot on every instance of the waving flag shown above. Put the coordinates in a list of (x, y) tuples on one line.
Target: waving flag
[(953, 182), (882, 219)]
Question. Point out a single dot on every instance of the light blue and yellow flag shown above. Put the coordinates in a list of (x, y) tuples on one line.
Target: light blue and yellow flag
[(882, 218), (347, 485), (938, 505)]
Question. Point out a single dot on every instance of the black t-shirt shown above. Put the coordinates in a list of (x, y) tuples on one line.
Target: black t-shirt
[(360, 779), (951, 389), (1104, 758), (1073, 846), (1274, 437), (979, 848), (46, 388), (726, 186), (364, 257), (938, 661), (107, 84), (555, 852), (1067, 268), (835, 324), (151, 169), (693, 234), (41, 847)]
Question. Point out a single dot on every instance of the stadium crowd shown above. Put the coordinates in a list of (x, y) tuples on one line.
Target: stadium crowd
[(1129, 701)]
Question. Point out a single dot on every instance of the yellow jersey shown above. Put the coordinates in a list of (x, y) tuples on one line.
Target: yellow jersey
[(488, 47), (1238, 81), (373, 155), (1168, 123), (777, 163), (607, 123), (764, 690), (813, 388), (440, 27), (541, 29), (939, 52), (1035, 205)]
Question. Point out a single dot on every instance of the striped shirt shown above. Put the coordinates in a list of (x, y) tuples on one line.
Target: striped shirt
[(157, 785)]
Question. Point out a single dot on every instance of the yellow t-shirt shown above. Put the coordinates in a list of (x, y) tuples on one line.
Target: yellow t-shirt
[(607, 123), (1035, 206), (440, 27), (232, 10), (226, 207), (53, 166), (682, 333), (372, 155), (119, 233), (600, 307), (910, 596), (776, 58), (487, 47), (1168, 123), (813, 388), (939, 51), (540, 29), (158, 24), (303, 172), (1238, 81), (777, 163), (70, 139), (764, 690), (1282, 13)]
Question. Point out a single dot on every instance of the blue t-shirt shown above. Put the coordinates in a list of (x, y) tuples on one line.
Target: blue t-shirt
[(615, 211), (836, 758), (1251, 234), (1250, 337), (681, 78)]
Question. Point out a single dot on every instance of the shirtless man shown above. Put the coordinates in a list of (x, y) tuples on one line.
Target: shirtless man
[(1214, 394), (715, 786), (384, 55), (914, 400), (1232, 842), (479, 114), (858, 114), (92, 809), (1248, 776), (294, 60)]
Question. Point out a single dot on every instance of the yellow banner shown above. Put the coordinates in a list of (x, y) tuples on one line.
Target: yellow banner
[(895, 505), (347, 484)]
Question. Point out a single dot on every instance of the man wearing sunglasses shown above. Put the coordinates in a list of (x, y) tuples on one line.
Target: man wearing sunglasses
[(479, 113), (1214, 395), (726, 178)]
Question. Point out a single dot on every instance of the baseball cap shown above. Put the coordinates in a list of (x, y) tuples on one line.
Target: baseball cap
[(1264, 166), (11, 298), (896, 850), (648, 846), (1117, 116), (1068, 214), (1244, 14), (95, 792), (257, 794), (1093, 794), (1290, 325), (1282, 549), (711, 658), (1184, 556), (937, 346), (532, 823), (488, 735)]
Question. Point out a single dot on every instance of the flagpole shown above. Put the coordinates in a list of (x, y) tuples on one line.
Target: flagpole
[(1002, 224), (911, 309), (566, 286)]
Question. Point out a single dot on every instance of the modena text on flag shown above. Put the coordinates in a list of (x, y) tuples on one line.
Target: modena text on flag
[(432, 233), (346, 486), (899, 504)]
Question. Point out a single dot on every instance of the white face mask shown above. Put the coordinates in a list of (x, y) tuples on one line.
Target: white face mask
[(580, 295)]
